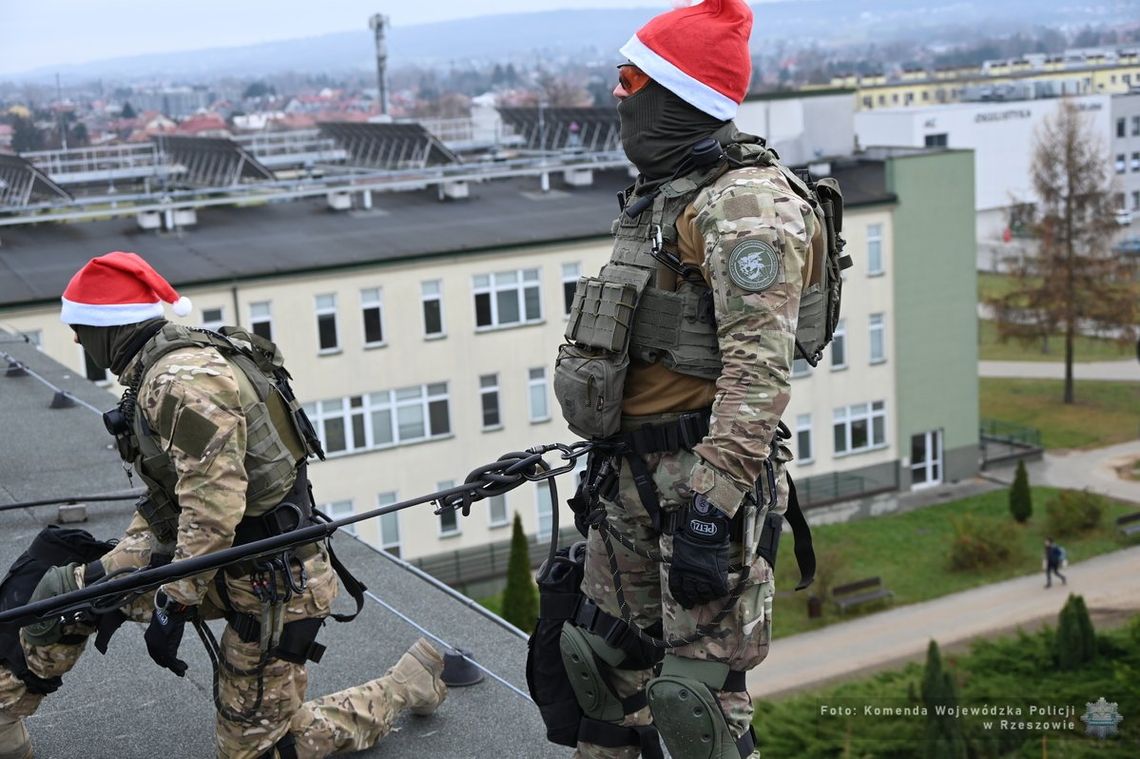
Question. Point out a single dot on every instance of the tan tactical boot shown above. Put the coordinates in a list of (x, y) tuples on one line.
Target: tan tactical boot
[(417, 678), (14, 740)]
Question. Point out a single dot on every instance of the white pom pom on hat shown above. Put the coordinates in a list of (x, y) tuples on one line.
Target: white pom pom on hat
[(182, 306), (118, 288)]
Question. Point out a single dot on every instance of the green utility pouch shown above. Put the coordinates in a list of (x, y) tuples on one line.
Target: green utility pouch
[(588, 384), (601, 314)]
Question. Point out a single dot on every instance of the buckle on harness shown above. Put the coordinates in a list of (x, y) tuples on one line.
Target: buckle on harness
[(590, 617)]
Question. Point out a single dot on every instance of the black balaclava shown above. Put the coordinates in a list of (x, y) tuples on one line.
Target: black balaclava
[(114, 347), (658, 128)]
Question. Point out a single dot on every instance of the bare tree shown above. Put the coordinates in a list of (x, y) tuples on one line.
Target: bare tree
[(1074, 284)]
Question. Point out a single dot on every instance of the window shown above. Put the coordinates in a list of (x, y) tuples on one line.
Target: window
[(1135, 205), (383, 419), (1120, 163), (1136, 126), (570, 275), (874, 249), (212, 318), (93, 372), (261, 319), (497, 506), (877, 328), (800, 367), (1120, 127), (432, 295), (1136, 161), (839, 346), (507, 298), (372, 308), (803, 438), (937, 140), (536, 387), (340, 510), (544, 509), (489, 399), (327, 339), (389, 525), (448, 519), (860, 427)]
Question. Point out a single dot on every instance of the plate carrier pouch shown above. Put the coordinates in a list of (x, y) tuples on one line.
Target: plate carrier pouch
[(52, 547), (279, 435), (625, 311)]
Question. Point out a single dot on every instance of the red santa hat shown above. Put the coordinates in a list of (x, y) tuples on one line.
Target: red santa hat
[(118, 288), (698, 53)]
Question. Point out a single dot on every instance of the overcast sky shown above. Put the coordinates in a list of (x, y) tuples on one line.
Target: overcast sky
[(36, 33)]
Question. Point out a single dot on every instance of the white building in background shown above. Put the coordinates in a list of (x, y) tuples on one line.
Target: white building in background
[(802, 126)]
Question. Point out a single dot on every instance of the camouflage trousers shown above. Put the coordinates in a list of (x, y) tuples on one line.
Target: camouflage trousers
[(741, 639), (351, 720)]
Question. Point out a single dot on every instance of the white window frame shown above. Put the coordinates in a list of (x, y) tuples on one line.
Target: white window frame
[(437, 296), (372, 298), (457, 530), (387, 499), (213, 324), (497, 523), (875, 265), (337, 510), (375, 403), (34, 337), (485, 390), (535, 385), (846, 416), (839, 340), (261, 318), (543, 517), (1121, 163), (803, 424), (800, 368), (877, 332), (327, 311), (525, 279), (571, 273)]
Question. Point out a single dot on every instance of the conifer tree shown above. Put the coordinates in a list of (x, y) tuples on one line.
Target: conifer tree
[(1075, 643), (520, 598), (944, 738), (1020, 499)]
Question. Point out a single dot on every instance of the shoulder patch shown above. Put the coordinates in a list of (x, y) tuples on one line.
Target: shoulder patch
[(754, 265)]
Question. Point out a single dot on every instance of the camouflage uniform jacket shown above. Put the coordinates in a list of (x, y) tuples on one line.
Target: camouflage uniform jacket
[(755, 326), (190, 399)]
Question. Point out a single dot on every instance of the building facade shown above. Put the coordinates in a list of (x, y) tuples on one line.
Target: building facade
[(417, 369)]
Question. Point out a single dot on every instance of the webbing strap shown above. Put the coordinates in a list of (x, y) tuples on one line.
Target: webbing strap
[(746, 743), (645, 488), (805, 551), (353, 586), (615, 736)]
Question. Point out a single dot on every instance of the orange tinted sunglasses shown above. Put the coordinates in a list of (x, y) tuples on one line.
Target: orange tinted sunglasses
[(631, 78)]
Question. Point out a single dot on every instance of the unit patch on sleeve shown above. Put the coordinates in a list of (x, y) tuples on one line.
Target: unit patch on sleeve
[(754, 265)]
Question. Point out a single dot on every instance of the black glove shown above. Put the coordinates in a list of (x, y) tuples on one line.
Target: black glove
[(699, 572), (164, 634)]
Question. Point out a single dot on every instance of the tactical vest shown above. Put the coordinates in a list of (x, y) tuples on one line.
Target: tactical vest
[(277, 434), (625, 311)]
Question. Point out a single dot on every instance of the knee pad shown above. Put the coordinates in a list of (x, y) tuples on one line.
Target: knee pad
[(687, 714), (581, 652), (55, 582)]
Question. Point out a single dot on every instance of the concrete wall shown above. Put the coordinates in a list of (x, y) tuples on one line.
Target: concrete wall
[(802, 129), (936, 287)]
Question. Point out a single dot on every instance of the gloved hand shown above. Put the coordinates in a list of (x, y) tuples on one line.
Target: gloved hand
[(164, 634), (699, 571)]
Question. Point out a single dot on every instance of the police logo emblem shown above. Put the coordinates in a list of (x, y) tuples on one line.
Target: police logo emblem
[(754, 265)]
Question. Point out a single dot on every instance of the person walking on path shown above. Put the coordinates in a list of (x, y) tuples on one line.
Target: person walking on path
[(1054, 556)]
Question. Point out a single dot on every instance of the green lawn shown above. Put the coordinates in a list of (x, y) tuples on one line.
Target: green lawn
[(1104, 413), (991, 348), (1016, 672), (909, 551)]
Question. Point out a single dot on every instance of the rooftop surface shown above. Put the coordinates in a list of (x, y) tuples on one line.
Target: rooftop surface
[(237, 243), (122, 705)]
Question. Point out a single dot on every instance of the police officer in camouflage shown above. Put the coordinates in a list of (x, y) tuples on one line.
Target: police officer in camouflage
[(222, 453), (678, 360)]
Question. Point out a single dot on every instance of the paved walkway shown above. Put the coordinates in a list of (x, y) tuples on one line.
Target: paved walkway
[(1120, 371), (884, 639), (1093, 469)]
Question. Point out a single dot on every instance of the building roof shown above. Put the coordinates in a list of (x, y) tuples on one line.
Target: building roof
[(125, 706), (236, 243)]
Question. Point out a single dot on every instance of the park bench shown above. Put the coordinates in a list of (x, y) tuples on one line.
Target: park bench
[(1129, 524), (858, 593)]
